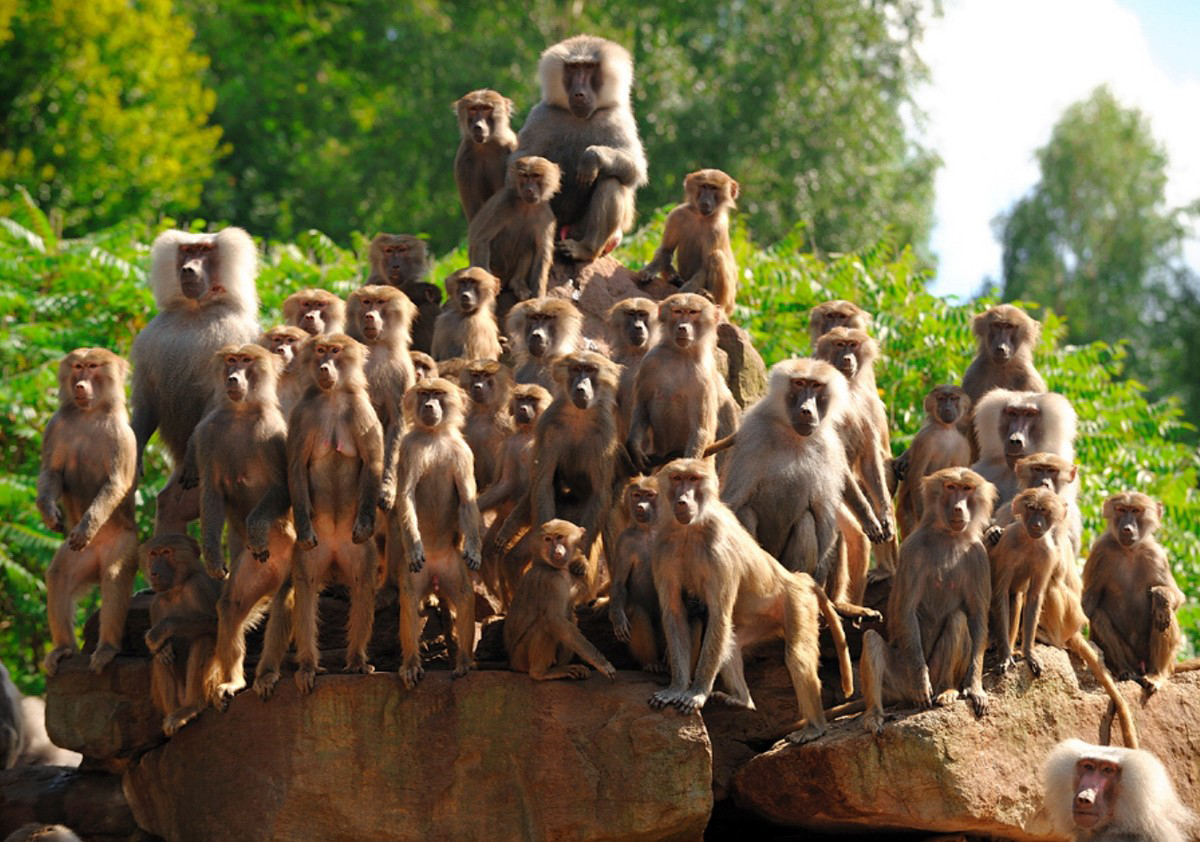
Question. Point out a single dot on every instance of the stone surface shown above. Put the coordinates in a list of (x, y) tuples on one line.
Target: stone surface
[(493, 755), (106, 716), (744, 368), (91, 803), (944, 771), (596, 287)]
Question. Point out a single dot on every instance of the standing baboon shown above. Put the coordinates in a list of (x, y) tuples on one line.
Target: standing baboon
[(485, 143), (696, 236), (203, 287), (938, 444), (468, 328), (88, 463), (633, 330), (315, 311), (487, 384), (633, 605), (540, 330), (1129, 594), (585, 124)]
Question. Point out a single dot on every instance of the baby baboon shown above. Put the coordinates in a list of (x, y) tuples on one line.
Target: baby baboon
[(315, 311), (540, 330), (203, 286), (632, 601), (939, 444), (183, 629), (483, 150), (434, 533), (335, 463), (539, 631), (700, 547), (285, 341), (697, 232), (468, 328), (89, 456), (487, 384), (424, 366), (585, 124), (1129, 594)]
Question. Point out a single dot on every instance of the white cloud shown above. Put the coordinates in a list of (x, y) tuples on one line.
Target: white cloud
[(1002, 73)]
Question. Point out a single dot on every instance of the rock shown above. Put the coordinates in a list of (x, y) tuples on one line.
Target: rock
[(596, 287), (744, 369), (943, 771), (493, 755), (91, 803), (106, 716)]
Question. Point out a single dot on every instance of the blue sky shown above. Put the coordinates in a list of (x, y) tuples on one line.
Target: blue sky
[(1002, 73)]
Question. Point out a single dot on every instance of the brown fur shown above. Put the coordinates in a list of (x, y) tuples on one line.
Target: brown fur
[(540, 330), (837, 313), (1012, 425), (485, 143), (487, 384), (315, 311), (468, 329), (285, 341), (633, 330), (400, 260), (938, 444)]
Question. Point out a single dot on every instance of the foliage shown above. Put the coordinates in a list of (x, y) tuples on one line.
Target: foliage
[(339, 113), (102, 111), (58, 294)]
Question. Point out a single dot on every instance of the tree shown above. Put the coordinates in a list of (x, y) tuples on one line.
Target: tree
[(102, 110)]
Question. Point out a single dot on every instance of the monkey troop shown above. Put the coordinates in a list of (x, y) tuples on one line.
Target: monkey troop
[(380, 439)]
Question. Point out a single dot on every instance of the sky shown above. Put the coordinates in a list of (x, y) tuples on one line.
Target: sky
[(1003, 71)]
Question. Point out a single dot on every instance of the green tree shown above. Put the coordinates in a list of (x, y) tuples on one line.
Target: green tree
[(102, 111)]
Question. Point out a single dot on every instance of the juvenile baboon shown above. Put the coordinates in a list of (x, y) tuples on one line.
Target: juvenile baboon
[(1006, 338), (527, 403), (483, 150), (1012, 425), (540, 633), (183, 629), (697, 233), (1045, 470), (1032, 559), (381, 318), (633, 330), (315, 311), (241, 458), (399, 260), (89, 456), (487, 385), (585, 124), (468, 329), (937, 614), (938, 444), (424, 366), (837, 313), (285, 341), (1129, 594), (203, 287), (1096, 793), (788, 448), (335, 463), (681, 403), (434, 533), (37, 832), (512, 236), (633, 605), (700, 547), (540, 330)]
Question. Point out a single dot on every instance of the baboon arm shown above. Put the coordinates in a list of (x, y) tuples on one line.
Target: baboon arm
[(406, 507), (661, 264), (717, 640), (120, 469), (539, 268), (825, 523), (368, 438), (485, 226), (541, 485), (978, 591), (189, 625), (675, 629), (498, 491), (391, 447), (468, 511), (212, 522), (144, 421), (50, 479), (570, 636), (516, 519), (703, 433), (299, 451), (860, 506), (273, 507), (618, 164)]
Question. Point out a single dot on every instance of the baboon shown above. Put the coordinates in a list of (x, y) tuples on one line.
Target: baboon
[(487, 384), (541, 329), (424, 366), (788, 448), (1012, 425), (512, 236), (399, 260), (1032, 559), (434, 533), (585, 124), (241, 457), (335, 466), (315, 311), (575, 456), (381, 318), (89, 456), (837, 313), (633, 330), (12, 721), (938, 444), (700, 547), (1129, 594), (527, 403), (1097, 793), (203, 287), (468, 329), (285, 341), (183, 629), (697, 232), (633, 605), (36, 832), (1004, 359), (1045, 470), (540, 633), (483, 150), (681, 403), (937, 614)]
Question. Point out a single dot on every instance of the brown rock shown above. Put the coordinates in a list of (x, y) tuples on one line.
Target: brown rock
[(944, 771), (91, 803), (102, 716), (595, 287), (493, 755), (744, 369)]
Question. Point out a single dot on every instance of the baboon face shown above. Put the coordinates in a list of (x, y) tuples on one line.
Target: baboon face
[(1046, 471), (327, 363), (478, 113), (283, 343), (1039, 509), (641, 500), (687, 318), (541, 332), (947, 405), (399, 258), (956, 500), (688, 489), (1019, 428), (431, 406), (166, 559), (637, 328), (559, 540), (196, 264), (467, 295), (710, 190), (1001, 340), (311, 313), (582, 81), (535, 179), (481, 384), (423, 365), (525, 408), (91, 378), (1097, 781), (1131, 517), (239, 374), (833, 314), (845, 357), (807, 403), (582, 383)]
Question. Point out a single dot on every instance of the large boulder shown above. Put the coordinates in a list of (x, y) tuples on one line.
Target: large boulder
[(943, 771), (492, 755), (91, 803), (103, 717)]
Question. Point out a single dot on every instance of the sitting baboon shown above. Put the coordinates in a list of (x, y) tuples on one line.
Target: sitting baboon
[(468, 328), (487, 384), (485, 143), (540, 330), (938, 444)]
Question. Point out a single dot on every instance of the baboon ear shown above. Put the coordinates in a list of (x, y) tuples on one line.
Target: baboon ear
[(734, 189), (432, 294)]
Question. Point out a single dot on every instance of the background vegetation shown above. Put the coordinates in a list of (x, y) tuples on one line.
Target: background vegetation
[(316, 125)]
